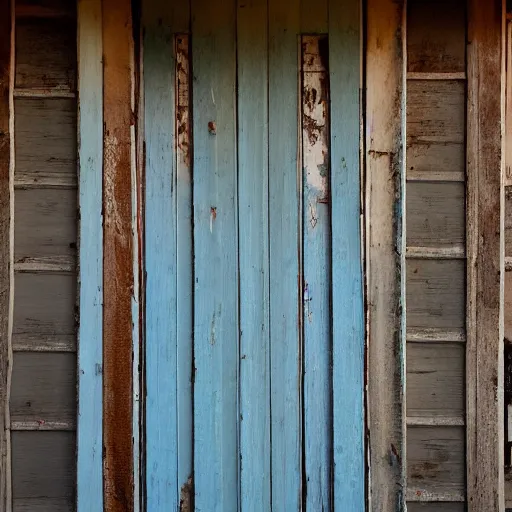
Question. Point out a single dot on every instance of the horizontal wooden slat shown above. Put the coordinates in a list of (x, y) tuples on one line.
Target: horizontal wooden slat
[(43, 504), (435, 214), (46, 223), (435, 463), (461, 75), (29, 425), (46, 264), (45, 53), (45, 8), (428, 161), (436, 507), (435, 421), (435, 293), (436, 253), (44, 343), (43, 387), (44, 303), (429, 174), (439, 50), (45, 142), (44, 93), (435, 380), (434, 497), (43, 469), (419, 335)]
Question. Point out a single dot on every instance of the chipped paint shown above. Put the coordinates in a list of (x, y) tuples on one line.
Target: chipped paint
[(187, 496), (182, 103)]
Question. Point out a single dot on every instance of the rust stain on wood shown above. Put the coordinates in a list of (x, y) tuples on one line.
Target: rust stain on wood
[(118, 257), (187, 496)]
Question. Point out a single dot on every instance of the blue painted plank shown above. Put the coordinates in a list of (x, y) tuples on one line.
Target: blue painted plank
[(317, 272), (90, 333), (348, 329), (284, 221), (161, 263), (254, 255), (216, 454)]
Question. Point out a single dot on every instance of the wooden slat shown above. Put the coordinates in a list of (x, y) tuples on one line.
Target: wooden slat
[(48, 264), (439, 50), (285, 277), (42, 425), (436, 76), (436, 421), (90, 347), (43, 469), (45, 54), (45, 9), (316, 225), (44, 343), (54, 93), (43, 387), (508, 104), (435, 380), (436, 507), (436, 162), (118, 257), (435, 293), (424, 496), (6, 170), (435, 463), (46, 145), (508, 221), (485, 273), (435, 214), (437, 253), (216, 331), (348, 328), (43, 504), (385, 272), (252, 44), (437, 335)]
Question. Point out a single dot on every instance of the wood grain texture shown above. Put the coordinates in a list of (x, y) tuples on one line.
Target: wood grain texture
[(485, 248), (316, 234), (6, 125), (348, 324), (216, 330), (43, 470), (436, 36), (253, 215), (436, 507), (118, 256), (285, 277), (385, 267), (45, 54), (46, 144), (90, 333)]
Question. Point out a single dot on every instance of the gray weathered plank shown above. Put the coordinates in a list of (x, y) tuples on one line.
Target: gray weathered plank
[(46, 146), (45, 54), (43, 504), (436, 507), (436, 214), (46, 223), (435, 293), (443, 161), (43, 387)]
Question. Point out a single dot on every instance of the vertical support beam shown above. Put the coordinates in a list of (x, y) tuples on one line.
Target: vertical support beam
[(216, 328), (316, 225), (118, 233), (90, 340), (348, 327), (485, 252), (6, 236), (285, 276), (385, 252), (254, 255)]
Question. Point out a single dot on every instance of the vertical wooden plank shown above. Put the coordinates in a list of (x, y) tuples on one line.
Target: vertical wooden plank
[(508, 99), (348, 327), (216, 454), (384, 134), (6, 252), (317, 271), (90, 340), (285, 278), (253, 255), (118, 255), (485, 253)]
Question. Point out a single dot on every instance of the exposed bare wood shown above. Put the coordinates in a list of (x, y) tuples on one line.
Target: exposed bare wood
[(6, 167), (420, 335), (435, 421), (508, 104), (385, 273), (19, 424), (485, 250), (44, 93), (437, 253), (508, 264), (436, 76), (422, 496), (46, 264), (118, 256), (44, 343)]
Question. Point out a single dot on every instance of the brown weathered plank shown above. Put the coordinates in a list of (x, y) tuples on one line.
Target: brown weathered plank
[(6, 63), (485, 200), (118, 256), (384, 158), (45, 54), (45, 8)]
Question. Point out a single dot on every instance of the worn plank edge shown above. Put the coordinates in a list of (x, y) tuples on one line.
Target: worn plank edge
[(419, 335), (436, 253)]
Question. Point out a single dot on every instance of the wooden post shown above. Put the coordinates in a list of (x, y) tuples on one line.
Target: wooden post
[(485, 253), (118, 257), (6, 270), (385, 253)]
